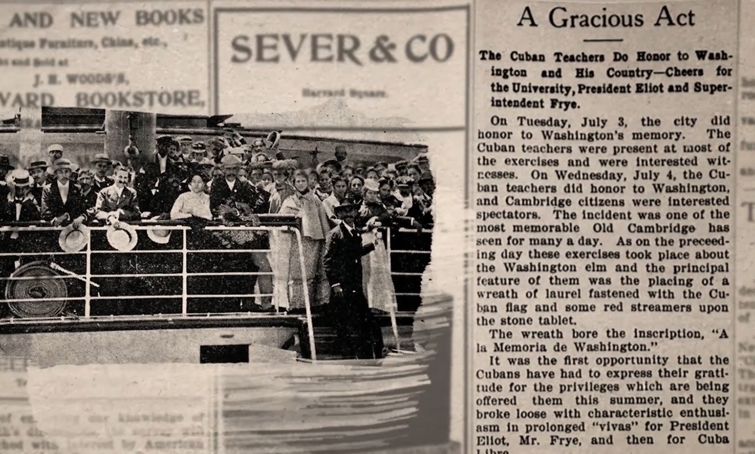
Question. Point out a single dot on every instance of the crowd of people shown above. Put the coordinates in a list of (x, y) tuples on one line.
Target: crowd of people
[(222, 178), (228, 180)]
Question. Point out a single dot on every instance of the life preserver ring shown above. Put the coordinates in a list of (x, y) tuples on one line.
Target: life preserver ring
[(38, 289)]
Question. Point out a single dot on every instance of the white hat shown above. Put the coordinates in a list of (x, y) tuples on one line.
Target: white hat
[(123, 238), (158, 235), (73, 239)]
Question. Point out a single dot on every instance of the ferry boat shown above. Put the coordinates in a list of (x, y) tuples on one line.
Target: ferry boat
[(187, 299)]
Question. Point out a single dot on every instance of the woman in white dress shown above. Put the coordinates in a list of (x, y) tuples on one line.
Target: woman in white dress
[(306, 205)]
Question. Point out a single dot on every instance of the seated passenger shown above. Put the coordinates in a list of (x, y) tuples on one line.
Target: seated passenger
[(193, 204)]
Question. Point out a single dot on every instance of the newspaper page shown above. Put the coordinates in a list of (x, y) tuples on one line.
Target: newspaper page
[(221, 226), (606, 161), (423, 226)]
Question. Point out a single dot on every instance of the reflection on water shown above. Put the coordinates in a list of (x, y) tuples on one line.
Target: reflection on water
[(328, 406)]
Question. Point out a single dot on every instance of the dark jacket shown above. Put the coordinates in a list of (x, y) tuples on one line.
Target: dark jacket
[(243, 192), (29, 210), (53, 206), (343, 259), (373, 210), (89, 199), (37, 191), (98, 186), (163, 188)]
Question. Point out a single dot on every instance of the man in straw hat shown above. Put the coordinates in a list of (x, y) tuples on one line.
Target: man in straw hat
[(198, 151), (117, 202), (357, 334), (61, 200), (185, 146), (101, 163), (20, 205)]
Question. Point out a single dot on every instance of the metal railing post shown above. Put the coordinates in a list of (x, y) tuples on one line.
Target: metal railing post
[(307, 308), (87, 282), (393, 302), (184, 271)]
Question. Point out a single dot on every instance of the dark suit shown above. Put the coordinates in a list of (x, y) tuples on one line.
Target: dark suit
[(108, 200), (36, 191), (242, 192), (98, 186), (89, 199), (29, 210), (53, 206), (4, 191), (357, 333)]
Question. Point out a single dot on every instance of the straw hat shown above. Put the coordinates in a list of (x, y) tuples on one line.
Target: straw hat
[(158, 235), (20, 178), (371, 185), (122, 238), (72, 239)]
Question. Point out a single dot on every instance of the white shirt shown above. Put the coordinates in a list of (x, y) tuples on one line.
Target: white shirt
[(163, 163), (231, 184), (63, 188), (192, 204)]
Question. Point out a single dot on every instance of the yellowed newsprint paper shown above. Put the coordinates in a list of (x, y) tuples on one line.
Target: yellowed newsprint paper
[(422, 226)]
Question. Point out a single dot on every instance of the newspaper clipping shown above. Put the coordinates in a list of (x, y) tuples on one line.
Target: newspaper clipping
[(232, 226)]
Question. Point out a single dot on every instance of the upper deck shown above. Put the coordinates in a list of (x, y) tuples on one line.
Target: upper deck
[(201, 277)]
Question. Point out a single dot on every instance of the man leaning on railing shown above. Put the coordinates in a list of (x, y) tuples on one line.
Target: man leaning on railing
[(61, 199), (117, 202)]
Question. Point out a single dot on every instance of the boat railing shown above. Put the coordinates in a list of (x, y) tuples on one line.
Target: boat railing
[(90, 277), (403, 246)]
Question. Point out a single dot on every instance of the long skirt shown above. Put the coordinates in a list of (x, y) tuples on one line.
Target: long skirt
[(317, 284), (279, 258)]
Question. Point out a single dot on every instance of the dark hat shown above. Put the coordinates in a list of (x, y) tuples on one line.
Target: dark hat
[(347, 209), (5, 162), (101, 157), (421, 158), (332, 163), (165, 139), (426, 176), (131, 151), (340, 148), (400, 164), (184, 139), (261, 165), (403, 181), (37, 165), (198, 146)]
